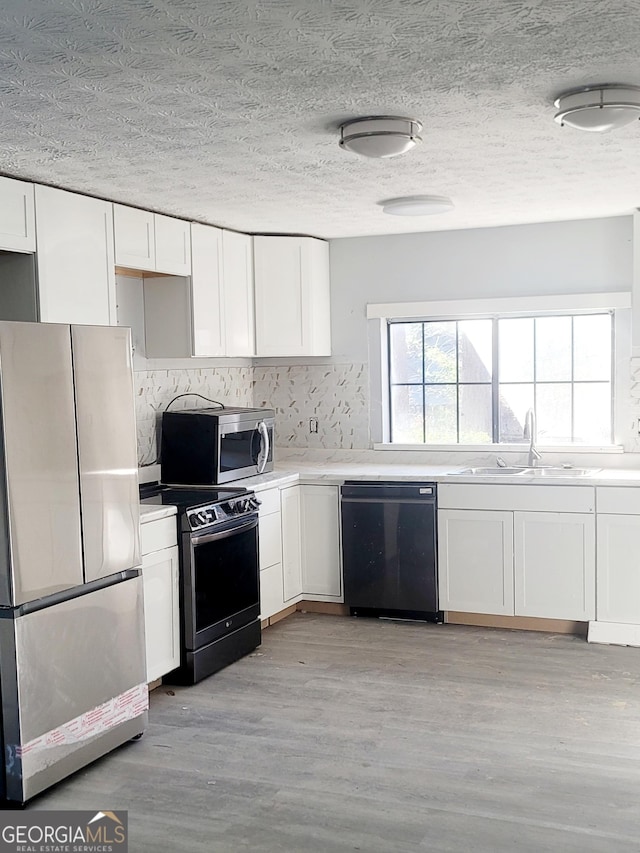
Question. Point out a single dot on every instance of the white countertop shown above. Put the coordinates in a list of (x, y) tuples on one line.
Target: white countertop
[(336, 473), (153, 513)]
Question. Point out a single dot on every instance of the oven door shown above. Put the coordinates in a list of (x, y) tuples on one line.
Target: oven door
[(246, 448), (220, 582)]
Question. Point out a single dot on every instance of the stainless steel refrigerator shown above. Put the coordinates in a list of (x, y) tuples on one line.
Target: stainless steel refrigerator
[(72, 664)]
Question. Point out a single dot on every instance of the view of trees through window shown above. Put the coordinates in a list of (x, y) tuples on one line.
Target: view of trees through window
[(472, 381)]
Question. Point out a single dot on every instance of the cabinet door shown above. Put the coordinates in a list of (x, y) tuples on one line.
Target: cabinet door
[(555, 565), (173, 245), (618, 575), (237, 265), (292, 296), (271, 594), (76, 275), (161, 613), (270, 540), (134, 238), (282, 311), (321, 569), (475, 564), (207, 291), (17, 216), (291, 542)]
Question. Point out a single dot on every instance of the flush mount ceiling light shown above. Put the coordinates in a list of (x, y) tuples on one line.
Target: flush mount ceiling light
[(417, 205), (598, 108), (380, 136)]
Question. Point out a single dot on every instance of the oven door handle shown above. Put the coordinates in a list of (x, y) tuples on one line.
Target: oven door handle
[(223, 534), (263, 456)]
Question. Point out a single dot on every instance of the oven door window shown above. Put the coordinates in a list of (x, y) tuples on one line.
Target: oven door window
[(226, 577)]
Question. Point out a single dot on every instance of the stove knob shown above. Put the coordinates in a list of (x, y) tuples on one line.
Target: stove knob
[(203, 517), (254, 503)]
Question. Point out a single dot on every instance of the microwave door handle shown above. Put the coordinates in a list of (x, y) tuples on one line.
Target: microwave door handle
[(263, 455)]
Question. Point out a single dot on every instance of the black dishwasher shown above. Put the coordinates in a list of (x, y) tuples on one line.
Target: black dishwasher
[(389, 549)]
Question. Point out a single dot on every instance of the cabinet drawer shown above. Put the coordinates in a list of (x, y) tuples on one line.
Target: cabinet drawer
[(527, 497), (623, 500), (156, 535), (270, 501), (270, 540), (271, 598)]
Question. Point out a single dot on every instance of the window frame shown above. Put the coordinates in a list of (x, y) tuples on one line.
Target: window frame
[(495, 382), (379, 313)]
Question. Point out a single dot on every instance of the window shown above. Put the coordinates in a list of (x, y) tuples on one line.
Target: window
[(471, 381)]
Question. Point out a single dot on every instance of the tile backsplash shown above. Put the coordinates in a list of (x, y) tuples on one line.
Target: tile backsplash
[(335, 395), (232, 386)]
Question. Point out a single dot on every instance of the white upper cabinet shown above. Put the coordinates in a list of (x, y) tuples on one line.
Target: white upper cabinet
[(150, 241), (237, 273), (207, 292), (173, 245), (17, 216), (75, 258), (134, 238), (211, 313), (292, 295)]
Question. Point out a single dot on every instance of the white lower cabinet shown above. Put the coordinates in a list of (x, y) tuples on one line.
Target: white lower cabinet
[(161, 609), (476, 561), (270, 553), (555, 565), (320, 523), (618, 555), (501, 552), (291, 542), (160, 585), (271, 595)]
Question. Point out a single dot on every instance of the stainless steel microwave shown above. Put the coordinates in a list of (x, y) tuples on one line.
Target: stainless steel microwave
[(203, 447)]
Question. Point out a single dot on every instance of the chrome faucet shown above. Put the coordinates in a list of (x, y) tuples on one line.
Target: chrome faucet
[(530, 433)]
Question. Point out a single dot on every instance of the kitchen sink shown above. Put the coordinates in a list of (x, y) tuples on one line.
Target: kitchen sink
[(521, 471), (489, 472), (551, 471)]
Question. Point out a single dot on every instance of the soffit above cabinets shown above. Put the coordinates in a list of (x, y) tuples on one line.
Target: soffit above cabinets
[(228, 112)]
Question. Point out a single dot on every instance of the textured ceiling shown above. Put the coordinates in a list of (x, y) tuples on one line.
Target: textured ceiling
[(226, 111)]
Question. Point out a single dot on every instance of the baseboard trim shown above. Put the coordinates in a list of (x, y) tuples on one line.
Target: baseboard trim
[(277, 617), (521, 623), (332, 608), (614, 633)]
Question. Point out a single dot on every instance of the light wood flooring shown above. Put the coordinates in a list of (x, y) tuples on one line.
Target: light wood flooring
[(344, 734)]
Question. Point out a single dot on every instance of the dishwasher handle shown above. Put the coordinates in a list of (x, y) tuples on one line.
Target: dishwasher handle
[(384, 491)]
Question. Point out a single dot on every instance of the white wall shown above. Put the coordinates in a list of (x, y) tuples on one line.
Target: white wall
[(586, 256)]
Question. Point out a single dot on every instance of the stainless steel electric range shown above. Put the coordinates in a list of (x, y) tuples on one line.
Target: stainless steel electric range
[(219, 575)]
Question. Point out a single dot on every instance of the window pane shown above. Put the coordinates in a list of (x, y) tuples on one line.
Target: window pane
[(513, 405), (553, 410), (553, 349), (405, 342), (406, 414), (592, 347), (475, 356), (475, 414), (440, 352), (515, 340), (592, 413), (441, 421)]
